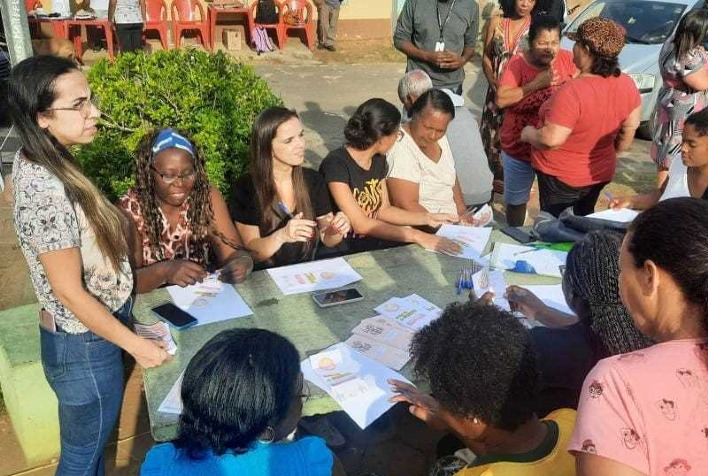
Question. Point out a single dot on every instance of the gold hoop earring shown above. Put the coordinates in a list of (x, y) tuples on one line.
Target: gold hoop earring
[(268, 435)]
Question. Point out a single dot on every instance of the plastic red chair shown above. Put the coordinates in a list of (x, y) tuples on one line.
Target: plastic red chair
[(297, 15), (276, 27), (156, 19), (184, 18)]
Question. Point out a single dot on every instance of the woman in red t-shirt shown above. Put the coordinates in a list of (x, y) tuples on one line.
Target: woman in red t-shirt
[(585, 124)]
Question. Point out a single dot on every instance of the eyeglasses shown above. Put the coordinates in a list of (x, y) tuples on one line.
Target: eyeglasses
[(170, 178), (83, 107)]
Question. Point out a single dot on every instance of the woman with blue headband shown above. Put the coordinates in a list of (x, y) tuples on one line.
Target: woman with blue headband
[(180, 222)]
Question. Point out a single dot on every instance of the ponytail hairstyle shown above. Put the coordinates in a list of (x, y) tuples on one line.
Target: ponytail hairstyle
[(673, 234), (373, 119), (264, 130), (31, 92)]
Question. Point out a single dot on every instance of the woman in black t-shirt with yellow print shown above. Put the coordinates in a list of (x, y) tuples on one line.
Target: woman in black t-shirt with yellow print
[(282, 209), (356, 177)]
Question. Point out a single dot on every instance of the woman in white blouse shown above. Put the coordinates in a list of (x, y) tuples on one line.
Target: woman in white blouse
[(421, 173)]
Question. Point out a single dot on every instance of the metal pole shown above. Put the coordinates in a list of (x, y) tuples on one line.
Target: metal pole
[(17, 35)]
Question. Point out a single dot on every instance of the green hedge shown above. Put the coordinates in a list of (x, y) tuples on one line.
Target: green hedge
[(209, 95)]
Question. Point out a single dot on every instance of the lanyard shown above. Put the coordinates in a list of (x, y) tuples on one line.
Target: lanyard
[(441, 24)]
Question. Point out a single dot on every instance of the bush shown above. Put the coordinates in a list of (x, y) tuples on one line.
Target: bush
[(210, 96)]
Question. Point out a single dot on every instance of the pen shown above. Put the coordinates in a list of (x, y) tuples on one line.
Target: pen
[(608, 195), (469, 212), (283, 208)]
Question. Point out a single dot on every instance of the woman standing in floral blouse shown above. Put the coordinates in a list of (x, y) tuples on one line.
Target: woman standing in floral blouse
[(73, 240)]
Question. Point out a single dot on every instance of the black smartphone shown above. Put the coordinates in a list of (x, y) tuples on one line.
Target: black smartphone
[(174, 315), (518, 234), (333, 298)]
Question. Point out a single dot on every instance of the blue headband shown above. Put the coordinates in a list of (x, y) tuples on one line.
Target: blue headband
[(167, 139)]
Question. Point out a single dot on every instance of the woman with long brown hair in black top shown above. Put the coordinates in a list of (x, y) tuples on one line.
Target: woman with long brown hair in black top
[(282, 209)]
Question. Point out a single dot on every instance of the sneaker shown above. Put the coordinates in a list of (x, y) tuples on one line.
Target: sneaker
[(320, 425)]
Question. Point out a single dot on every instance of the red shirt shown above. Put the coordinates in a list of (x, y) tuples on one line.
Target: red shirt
[(524, 113), (594, 108)]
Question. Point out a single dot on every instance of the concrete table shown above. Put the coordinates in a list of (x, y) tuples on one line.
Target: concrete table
[(386, 273)]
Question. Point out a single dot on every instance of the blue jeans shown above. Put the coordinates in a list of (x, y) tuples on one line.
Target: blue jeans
[(86, 373)]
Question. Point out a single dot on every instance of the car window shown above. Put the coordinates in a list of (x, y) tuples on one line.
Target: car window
[(645, 22)]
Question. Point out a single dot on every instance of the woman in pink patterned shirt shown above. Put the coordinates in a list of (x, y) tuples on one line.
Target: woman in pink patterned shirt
[(646, 412)]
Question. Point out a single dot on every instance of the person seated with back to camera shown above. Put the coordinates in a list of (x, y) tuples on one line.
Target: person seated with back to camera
[(177, 220), (471, 163), (570, 345), (281, 208), (243, 427), (688, 174), (421, 169), (486, 397), (356, 177)]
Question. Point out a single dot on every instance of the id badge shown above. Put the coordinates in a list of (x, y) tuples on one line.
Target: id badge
[(439, 46)]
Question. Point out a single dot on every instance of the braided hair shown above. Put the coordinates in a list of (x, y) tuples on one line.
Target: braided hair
[(200, 216), (592, 274)]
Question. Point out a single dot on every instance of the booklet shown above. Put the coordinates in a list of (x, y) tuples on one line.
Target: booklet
[(314, 276)]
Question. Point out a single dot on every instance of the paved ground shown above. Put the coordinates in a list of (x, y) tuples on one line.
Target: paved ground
[(325, 89)]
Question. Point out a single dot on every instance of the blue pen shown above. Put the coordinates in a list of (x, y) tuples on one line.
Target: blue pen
[(283, 208)]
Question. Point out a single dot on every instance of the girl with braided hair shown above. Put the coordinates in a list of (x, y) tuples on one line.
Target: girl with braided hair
[(179, 222), (569, 345)]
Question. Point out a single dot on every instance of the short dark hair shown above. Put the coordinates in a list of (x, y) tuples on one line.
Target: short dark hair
[(592, 274), (480, 363), (436, 99), (541, 23), (238, 384), (673, 234), (373, 119), (699, 120)]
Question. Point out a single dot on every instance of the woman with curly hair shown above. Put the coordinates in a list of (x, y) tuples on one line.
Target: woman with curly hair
[(179, 222), (586, 123)]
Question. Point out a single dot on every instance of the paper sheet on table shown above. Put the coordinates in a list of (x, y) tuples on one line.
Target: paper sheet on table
[(624, 215), (412, 312), (359, 384), (210, 301), (391, 357), (486, 280), (551, 295), (484, 216), (545, 262), (314, 276), (472, 239), (173, 401), (385, 330)]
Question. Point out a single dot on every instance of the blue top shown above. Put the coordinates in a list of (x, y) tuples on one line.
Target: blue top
[(308, 456)]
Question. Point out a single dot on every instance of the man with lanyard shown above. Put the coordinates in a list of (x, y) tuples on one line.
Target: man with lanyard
[(438, 36)]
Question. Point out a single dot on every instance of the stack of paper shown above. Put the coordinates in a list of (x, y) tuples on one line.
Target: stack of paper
[(314, 276), (412, 311), (473, 240), (210, 301), (544, 262), (358, 384), (383, 340), (159, 331)]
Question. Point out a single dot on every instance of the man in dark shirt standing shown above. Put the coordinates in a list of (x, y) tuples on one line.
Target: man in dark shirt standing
[(438, 36)]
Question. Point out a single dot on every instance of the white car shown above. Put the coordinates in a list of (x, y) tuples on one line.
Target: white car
[(648, 24)]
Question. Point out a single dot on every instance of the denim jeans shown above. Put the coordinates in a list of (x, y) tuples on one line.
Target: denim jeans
[(86, 373)]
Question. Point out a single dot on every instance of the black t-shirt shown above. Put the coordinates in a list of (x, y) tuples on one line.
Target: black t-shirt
[(244, 208), (366, 185)]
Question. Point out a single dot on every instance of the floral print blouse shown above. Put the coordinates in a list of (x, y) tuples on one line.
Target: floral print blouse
[(46, 220)]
